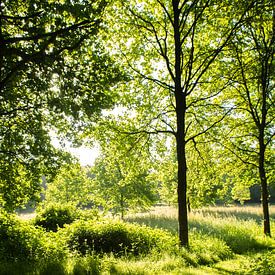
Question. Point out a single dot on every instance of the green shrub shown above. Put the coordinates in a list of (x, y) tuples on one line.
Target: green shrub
[(116, 237), (55, 216), (18, 239)]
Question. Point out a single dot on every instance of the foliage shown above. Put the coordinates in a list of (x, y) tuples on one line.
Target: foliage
[(115, 237), (55, 216), (91, 264), (19, 240), (53, 71), (121, 176), (72, 185), (248, 133), (177, 82), (206, 254), (25, 248)]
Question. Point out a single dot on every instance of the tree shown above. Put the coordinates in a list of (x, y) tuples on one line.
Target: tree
[(71, 185), (121, 175), (46, 82), (166, 45), (251, 129)]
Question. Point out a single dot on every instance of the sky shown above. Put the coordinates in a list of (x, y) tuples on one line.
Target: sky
[(85, 155)]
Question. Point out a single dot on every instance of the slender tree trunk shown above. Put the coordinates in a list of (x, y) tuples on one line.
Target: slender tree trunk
[(262, 146), (122, 206), (188, 205), (264, 189), (180, 136)]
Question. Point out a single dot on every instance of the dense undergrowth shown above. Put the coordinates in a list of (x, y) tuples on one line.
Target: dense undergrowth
[(63, 240)]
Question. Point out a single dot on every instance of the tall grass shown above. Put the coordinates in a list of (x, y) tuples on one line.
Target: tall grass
[(240, 227), (217, 236)]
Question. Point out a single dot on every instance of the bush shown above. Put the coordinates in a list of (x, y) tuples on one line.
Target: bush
[(55, 216), (18, 239), (116, 237)]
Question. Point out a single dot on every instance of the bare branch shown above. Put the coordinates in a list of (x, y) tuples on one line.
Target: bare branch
[(213, 55), (155, 131), (235, 154), (270, 139), (157, 81), (253, 111)]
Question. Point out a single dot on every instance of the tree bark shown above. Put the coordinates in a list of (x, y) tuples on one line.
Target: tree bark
[(266, 67), (182, 183), (180, 135), (265, 193)]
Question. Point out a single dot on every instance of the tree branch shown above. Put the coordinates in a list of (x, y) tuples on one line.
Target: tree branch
[(5, 17), (209, 128), (83, 24)]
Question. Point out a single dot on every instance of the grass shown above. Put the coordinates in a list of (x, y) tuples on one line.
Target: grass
[(237, 227), (223, 240)]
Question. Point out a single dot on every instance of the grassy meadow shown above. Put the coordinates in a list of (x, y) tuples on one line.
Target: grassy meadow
[(223, 240), (213, 230)]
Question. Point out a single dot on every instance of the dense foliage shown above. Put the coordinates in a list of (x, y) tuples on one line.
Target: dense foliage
[(116, 237), (54, 72), (55, 216), (19, 241)]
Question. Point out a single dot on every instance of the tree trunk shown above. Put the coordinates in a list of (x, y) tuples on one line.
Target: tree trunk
[(122, 205), (180, 136), (263, 179), (182, 187), (266, 67)]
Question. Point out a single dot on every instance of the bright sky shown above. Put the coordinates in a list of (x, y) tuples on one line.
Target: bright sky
[(85, 155)]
